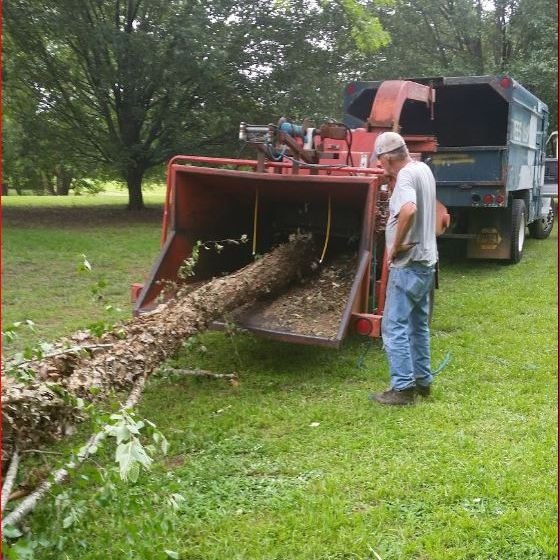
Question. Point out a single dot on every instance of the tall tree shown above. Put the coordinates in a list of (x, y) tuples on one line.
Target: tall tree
[(298, 54), (534, 50), (472, 37), (131, 82)]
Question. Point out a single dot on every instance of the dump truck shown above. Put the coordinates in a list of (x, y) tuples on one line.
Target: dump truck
[(490, 160), (322, 180)]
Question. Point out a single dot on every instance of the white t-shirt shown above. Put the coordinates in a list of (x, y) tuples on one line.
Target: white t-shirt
[(415, 183)]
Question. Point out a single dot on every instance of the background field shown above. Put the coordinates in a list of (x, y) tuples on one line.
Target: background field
[(296, 463)]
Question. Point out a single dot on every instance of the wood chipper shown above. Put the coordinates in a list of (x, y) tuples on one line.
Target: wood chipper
[(307, 179)]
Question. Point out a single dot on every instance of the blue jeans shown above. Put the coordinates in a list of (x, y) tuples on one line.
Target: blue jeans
[(404, 327)]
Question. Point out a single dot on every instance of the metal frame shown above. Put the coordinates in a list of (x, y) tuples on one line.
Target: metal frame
[(384, 115)]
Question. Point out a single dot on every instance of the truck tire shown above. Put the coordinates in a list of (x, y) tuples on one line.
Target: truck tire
[(541, 228), (518, 214)]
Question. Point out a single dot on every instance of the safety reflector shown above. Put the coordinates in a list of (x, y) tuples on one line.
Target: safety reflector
[(505, 82), (363, 326)]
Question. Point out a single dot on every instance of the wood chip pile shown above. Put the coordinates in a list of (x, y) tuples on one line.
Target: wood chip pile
[(311, 307)]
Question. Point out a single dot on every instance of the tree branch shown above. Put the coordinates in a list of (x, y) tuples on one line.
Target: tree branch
[(62, 474), (203, 373), (10, 479)]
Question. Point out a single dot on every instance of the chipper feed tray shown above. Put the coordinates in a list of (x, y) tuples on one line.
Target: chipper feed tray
[(209, 204)]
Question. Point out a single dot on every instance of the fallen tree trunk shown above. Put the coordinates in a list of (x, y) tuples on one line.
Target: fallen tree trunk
[(35, 412), (10, 479), (152, 338)]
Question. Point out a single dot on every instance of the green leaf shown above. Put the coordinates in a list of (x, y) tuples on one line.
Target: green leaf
[(85, 263), (138, 426), (139, 453), (164, 445), (172, 554), (130, 456), (125, 459), (9, 335), (11, 532), (21, 550), (133, 472), (120, 432)]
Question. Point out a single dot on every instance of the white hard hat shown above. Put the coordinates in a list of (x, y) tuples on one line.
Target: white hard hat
[(387, 142)]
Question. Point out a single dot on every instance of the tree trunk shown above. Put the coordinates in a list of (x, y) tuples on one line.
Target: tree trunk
[(134, 176), (63, 180), (33, 413), (48, 187)]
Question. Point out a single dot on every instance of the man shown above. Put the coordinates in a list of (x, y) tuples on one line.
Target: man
[(410, 240)]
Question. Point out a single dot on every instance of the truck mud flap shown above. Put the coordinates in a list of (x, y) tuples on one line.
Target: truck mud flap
[(491, 231)]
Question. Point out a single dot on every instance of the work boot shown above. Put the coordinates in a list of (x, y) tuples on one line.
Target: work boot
[(423, 390), (398, 398)]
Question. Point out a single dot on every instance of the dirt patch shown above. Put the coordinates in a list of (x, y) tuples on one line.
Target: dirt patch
[(313, 308), (172, 463), (73, 217)]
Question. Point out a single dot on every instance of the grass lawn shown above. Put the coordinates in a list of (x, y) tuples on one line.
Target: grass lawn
[(43, 240), (296, 463)]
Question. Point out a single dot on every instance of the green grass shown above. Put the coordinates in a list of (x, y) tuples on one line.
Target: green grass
[(468, 474), (43, 240)]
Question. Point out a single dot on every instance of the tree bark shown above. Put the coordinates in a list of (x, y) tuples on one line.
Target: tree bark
[(33, 413), (63, 180), (48, 187), (134, 176)]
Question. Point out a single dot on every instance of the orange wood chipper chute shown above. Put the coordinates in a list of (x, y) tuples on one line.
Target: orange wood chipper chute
[(317, 180)]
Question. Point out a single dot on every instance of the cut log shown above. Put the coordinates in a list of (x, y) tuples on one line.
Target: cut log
[(35, 412), (151, 339)]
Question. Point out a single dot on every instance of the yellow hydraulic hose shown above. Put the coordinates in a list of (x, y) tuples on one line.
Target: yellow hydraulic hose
[(328, 234), (255, 222)]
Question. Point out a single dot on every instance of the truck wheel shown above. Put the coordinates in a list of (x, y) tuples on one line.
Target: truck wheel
[(517, 230), (541, 228)]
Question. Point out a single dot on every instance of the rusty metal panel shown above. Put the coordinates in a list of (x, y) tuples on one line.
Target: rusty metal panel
[(390, 98)]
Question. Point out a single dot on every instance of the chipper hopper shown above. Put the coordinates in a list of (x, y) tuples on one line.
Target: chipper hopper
[(304, 179)]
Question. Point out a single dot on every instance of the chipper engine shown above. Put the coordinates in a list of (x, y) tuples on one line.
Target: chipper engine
[(319, 180)]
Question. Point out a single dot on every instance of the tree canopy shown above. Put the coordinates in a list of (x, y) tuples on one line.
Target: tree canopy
[(116, 87)]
